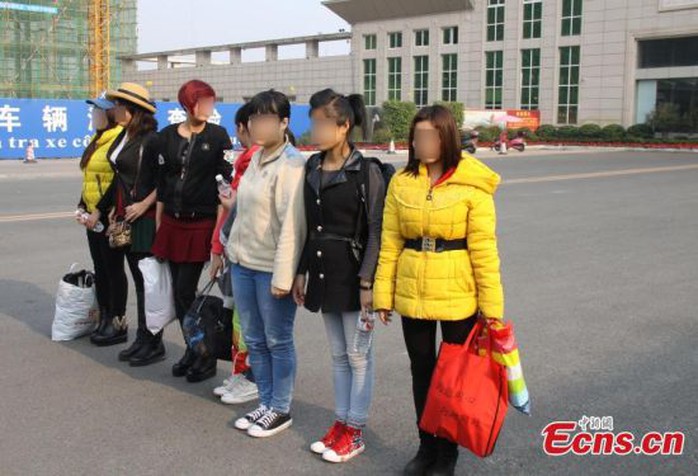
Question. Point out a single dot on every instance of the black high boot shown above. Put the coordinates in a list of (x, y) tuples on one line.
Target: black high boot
[(425, 458), (114, 331), (181, 368), (446, 459), (150, 352), (204, 368)]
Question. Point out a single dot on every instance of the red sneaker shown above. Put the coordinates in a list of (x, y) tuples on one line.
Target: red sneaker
[(350, 444), (330, 437)]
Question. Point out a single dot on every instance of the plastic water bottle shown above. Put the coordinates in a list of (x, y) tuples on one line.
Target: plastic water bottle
[(224, 188), (82, 215), (363, 336)]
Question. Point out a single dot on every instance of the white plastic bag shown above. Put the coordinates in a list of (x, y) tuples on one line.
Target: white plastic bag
[(76, 306), (159, 297)]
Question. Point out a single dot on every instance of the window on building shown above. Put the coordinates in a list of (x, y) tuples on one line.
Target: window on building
[(421, 80), (450, 35), (494, 62), (421, 38), (495, 20), (395, 79), (395, 39), (568, 90), (449, 77), (370, 42), (669, 52), (571, 17), (533, 18), (370, 82), (530, 78), (683, 94)]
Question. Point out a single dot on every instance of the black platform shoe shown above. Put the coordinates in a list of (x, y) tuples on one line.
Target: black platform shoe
[(114, 331), (181, 368), (425, 458), (150, 353), (204, 368)]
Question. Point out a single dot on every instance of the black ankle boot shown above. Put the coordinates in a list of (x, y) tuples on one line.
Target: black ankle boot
[(133, 349), (114, 331), (204, 368), (181, 368), (151, 352), (446, 459), (103, 312), (425, 458)]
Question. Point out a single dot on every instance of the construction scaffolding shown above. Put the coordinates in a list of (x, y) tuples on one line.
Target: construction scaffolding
[(65, 49)]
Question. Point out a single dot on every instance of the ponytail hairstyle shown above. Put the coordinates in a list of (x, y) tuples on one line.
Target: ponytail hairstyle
[(273, 102), (343, 109)]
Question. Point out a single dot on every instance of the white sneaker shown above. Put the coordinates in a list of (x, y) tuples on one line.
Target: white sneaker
[(242, 391), (228, 385), (244, 423)]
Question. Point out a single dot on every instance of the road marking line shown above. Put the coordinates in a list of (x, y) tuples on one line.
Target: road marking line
[(545, 178), (609, 173), (35, 216)]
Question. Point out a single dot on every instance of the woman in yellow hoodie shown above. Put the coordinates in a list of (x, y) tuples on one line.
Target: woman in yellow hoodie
[(438, 258), (110, 277)]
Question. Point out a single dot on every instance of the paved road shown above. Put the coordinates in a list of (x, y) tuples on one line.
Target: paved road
[(600, 270)]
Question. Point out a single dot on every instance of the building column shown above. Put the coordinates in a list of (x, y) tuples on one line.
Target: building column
[(272, 52)]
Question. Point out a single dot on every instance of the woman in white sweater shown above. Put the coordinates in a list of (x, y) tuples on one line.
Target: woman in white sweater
[(265, 245)]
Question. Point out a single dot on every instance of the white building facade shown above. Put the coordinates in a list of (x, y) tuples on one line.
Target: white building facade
[(576, 61)]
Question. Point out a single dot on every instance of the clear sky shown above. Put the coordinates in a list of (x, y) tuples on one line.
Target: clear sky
[(172, 24)]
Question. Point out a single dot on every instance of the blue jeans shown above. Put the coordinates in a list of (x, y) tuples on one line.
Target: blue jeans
[(267, 327), (352, 372)]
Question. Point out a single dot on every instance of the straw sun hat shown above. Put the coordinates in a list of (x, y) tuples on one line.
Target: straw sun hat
[(133, 93)]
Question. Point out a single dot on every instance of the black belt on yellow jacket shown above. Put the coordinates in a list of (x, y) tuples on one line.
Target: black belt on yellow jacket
[(436, 245)]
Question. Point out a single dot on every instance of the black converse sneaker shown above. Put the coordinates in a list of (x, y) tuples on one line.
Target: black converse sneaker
[(244, 423), (270, 424)]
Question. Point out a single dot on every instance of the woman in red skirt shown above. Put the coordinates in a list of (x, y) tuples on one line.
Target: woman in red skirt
[(192, 154)]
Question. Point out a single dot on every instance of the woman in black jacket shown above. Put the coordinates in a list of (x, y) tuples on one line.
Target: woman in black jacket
[(131, 198), (193, 152), (344, 195)]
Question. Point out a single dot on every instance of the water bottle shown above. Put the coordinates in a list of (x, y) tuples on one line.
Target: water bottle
[(83, 216), (363, 336), (224, 188)]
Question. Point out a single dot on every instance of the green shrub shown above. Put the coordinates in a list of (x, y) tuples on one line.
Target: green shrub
[(397, 117), (641, 131), (568, 132), (382, 136), (546, 132), (613, 132), (590, 131), (488, 134)]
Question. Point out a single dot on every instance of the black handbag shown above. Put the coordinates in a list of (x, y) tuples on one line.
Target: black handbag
[(208, 326)]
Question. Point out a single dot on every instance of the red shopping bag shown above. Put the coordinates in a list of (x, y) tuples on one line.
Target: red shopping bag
[(468, 396)]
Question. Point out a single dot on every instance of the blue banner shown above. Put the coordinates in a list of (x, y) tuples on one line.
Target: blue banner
[(60, 128)]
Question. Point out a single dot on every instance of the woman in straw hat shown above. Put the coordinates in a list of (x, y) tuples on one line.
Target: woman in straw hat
[(134, 156)]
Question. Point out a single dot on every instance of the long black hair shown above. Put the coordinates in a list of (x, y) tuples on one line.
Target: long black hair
[(142, 121), (343, 109), (273, 102)]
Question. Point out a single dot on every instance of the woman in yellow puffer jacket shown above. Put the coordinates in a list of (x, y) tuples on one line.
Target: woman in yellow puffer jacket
[(110, 277), (438, 258)]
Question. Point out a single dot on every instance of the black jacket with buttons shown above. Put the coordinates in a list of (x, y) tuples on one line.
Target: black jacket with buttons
[(334, 207), (188, 168)]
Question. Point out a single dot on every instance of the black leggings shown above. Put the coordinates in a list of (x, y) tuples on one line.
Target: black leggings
[(185, 280), (420, 339), (110, 276)]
